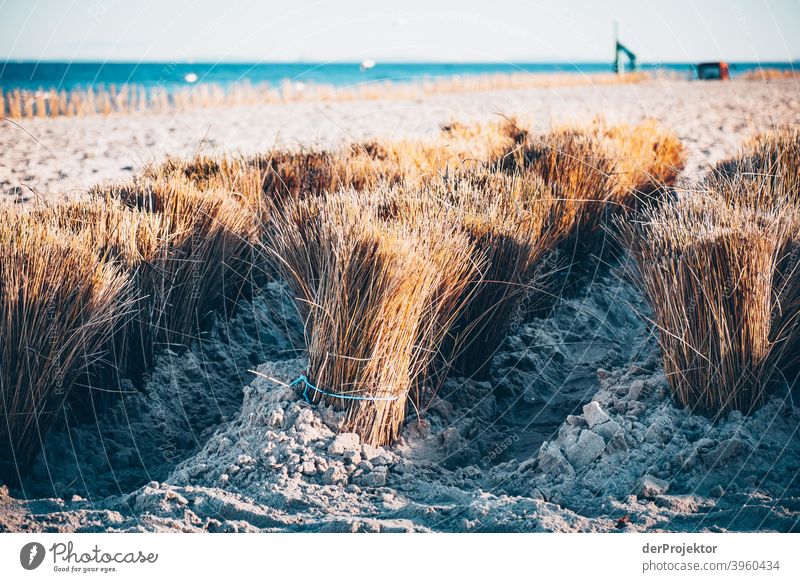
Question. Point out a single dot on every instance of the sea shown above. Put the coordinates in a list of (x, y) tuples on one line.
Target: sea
[(169, 76)]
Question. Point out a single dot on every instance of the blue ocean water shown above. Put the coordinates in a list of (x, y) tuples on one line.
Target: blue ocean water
[(82, 75)]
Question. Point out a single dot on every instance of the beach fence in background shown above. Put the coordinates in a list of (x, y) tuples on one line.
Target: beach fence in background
[(113, 99)]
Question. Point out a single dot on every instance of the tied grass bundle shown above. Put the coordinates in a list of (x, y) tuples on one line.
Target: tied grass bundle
[(406, 258), (189, 253), (137, 267), (708, 271), (202, 264), (512, 222), (599, 172), (578, 168), (548, 192), (377, 295), (765, 175), (59, 306), (132, 241), (647, 158)]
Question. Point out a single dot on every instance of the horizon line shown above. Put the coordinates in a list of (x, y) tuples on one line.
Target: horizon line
[(208, 61)]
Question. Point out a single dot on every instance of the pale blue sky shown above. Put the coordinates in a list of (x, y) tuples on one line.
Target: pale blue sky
[(410, 30)]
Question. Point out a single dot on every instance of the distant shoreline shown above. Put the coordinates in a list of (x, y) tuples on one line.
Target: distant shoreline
[(68, 75), (112, 88)]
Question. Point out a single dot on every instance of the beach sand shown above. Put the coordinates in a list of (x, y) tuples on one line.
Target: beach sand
[(65, 156), (575, 430)]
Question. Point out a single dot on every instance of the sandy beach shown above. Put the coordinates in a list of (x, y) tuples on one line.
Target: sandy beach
[(65, 156), (574, 431)]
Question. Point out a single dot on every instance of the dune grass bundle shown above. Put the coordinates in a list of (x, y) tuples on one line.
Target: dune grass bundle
[(92, 289), (59, 305), (406, 258), (647, 158), (720, 268), (765, 175), (377, 296), (600, 171), (708, 271), (189, 253), (134, 241), (514, 230), (511, 221), (579, 168), (786, 319), (451, 259), (548, 191), (265, 180), (203, 263)]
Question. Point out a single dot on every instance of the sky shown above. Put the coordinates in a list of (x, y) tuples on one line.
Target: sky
[(407, 30)]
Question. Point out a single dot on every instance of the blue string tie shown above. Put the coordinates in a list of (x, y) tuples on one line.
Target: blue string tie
[(309, 386)]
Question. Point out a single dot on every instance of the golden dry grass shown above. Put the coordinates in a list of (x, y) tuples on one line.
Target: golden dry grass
[(131, 240), (512, 222), (204, 259), (266, 179), (551, 188), (59, 305), (765, 175), (708, 270), (648, 157), (598, 172), (377, 296), (91, 290), (719, 267), (406, 257)]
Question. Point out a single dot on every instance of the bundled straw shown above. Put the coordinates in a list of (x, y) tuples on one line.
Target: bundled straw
[(647, 158), (505, 221), (204, 260), (406, 258), (59, 305), (377, 296), (93, 289), (268, 179), (133, 241), (512, 221), (765, 175), (601, 170), (708, 271)]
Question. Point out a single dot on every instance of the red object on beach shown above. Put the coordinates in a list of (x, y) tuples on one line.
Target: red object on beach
[(718, 71)]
